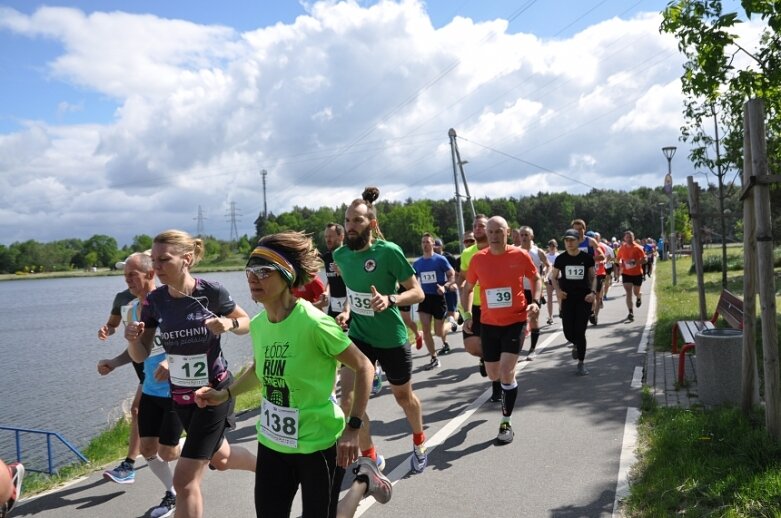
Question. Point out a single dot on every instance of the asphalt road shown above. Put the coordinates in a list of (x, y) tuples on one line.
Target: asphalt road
[(564, 461)]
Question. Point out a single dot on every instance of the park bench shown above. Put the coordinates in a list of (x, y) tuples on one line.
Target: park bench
[(730, 307)]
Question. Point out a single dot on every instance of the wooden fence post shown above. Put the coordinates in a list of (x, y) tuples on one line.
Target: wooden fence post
[(767, 289), (749, 376), (696, 217)]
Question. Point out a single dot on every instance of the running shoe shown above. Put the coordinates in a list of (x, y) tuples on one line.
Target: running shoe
[(377, 382), (639, 302), (453, 325), (380, 462), (419, 340), (481, 366), (125, 473), (17, 475), (582, 370), (445, 349), (593, 320), (550, 321), (630, 317), (433, 364), (419, 458), (166, 508), (377, 484), (506, 434)]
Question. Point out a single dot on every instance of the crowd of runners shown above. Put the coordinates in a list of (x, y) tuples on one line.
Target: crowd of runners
[(314, 340)]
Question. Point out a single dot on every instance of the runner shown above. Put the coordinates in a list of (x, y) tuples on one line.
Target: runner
[(302, 438), (11, 477), (371, 269), (436, 276), (192, 314), (610, 259), (499, 269), (553, 251), (540, 260), (451, 294), (575, 283), (335, 290), (472, 342), (159, 427), (632, 257), (313, 291), (600, 271), (650, 252), (125, 472)]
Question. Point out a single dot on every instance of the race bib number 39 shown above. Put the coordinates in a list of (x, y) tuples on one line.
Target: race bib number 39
[(188, 371), (279, 424), (574, 272), (360, 303), (499, 297)]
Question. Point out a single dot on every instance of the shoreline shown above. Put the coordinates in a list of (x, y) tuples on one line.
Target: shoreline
[(103, 272)]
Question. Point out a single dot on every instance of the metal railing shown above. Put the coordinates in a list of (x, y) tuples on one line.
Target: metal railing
[(49, 456)]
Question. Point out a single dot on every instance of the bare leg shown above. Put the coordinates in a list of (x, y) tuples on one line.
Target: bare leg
[(134, 441), (233, 457), (187, 482), (428, 338)]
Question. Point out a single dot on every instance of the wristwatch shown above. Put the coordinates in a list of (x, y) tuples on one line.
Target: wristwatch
[(355, 423), (391, 300), (235, 322)]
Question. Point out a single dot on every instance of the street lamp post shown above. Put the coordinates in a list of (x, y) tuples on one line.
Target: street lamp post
[(669, 152), (661, 226)]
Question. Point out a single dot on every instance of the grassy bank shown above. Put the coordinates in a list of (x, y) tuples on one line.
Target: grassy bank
[(702, 462), (108, 448)]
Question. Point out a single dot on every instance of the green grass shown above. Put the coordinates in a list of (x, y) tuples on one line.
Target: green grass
[(106, 448), (702, 462)]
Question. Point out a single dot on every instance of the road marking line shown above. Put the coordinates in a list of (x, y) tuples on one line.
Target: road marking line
[(649, 323), (637, 378), (446, 431), (628, 458)]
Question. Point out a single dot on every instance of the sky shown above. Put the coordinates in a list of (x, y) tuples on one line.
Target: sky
[(130, 117)]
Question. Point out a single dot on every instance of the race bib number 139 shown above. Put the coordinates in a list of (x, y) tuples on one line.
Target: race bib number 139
[(360, 303)]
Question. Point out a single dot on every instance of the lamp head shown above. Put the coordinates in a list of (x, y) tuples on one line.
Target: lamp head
[(669, 152)]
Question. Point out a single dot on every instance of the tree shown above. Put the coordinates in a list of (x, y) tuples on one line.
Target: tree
[(715, 90)]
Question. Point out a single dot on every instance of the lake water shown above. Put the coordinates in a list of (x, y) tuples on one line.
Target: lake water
[(49, 350)]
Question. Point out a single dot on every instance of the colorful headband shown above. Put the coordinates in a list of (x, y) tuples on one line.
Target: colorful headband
[(277, 260)]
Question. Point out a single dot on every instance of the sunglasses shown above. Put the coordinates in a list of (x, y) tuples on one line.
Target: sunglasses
[(260, 272), (469, 241)]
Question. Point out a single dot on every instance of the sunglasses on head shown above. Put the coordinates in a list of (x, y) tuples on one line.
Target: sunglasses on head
[(260, 272)]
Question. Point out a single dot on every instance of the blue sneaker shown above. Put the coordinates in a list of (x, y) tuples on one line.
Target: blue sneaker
[(377, 382), (419, 458), (122, 474)]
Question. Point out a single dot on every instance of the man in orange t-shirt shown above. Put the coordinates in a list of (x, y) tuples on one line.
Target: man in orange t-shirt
[(500, 270), (632, 258)]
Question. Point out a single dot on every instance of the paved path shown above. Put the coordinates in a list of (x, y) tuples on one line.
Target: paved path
[(573, 444)]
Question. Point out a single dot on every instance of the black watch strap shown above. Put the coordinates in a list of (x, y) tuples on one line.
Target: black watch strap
[(355, 422)]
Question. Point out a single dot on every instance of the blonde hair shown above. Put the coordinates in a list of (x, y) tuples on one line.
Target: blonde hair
[(183, 243)]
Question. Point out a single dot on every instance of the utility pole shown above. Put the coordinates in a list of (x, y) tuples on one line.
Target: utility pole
[(263, 174), (201, 216), (458, 166), (232, 214)]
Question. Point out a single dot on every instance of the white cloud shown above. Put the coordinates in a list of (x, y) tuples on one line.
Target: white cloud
[(343, 97)]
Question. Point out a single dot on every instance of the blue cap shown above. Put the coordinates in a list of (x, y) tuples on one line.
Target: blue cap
[(591, 234)]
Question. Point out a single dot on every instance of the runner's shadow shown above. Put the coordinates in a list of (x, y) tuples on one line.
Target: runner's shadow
[(600, 507), (59, 499), (443, 457)]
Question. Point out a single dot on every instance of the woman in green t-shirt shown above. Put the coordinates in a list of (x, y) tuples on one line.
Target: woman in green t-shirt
[(302, 437)]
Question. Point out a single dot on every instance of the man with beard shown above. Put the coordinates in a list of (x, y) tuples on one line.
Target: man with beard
[(472, 338), (371, 269)]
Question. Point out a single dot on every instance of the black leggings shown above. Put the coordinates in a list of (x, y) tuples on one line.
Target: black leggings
[(278, 475), (574, 319)]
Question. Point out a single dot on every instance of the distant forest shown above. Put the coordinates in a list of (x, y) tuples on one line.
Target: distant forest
[(609, 212)]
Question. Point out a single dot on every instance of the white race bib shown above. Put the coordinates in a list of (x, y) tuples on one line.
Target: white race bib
[(337, 304), (360, 303), (428, 277), (188, 371), (499, 297), (279, 423), (574, 272)]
